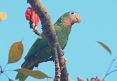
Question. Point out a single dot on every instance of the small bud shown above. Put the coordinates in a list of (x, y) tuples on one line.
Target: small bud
[(80, 79)]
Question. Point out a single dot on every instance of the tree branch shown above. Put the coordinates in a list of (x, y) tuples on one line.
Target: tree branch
[(64, 73), (49, 32)]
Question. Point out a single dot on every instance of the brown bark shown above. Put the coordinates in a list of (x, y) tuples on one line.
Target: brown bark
[(49, 32)]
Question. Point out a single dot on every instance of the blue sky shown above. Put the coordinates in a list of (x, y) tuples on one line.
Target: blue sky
[(85, 57)]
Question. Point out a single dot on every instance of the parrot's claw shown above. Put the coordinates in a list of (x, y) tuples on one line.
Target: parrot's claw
[(62, 51), (64, 62)]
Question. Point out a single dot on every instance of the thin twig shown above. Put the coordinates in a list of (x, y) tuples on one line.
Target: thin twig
[(109, 68), (5, 66), (111, 72)]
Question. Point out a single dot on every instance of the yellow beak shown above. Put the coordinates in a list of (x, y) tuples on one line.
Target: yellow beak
[(77, 19)]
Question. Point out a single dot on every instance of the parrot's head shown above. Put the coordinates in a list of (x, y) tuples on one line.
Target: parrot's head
[(69, 18)]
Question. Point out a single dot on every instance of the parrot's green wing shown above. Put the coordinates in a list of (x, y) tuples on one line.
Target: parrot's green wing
[(39, 44), (65, 44), (40, 50)]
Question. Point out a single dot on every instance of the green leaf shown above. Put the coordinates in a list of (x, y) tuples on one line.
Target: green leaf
[(34, 73), (3, 15), (15, 52), (105, 46)]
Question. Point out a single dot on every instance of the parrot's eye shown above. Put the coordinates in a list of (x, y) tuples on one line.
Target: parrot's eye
[(72, 12)]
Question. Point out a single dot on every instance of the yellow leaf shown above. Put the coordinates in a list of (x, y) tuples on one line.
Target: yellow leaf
[(35, 73), (105, 46), (15, 52), (3, 15)]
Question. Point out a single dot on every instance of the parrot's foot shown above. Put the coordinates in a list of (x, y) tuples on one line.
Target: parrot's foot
[(64, 61), (62, 51)]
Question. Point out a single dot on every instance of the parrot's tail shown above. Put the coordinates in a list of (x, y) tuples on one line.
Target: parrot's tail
[(22, 77)]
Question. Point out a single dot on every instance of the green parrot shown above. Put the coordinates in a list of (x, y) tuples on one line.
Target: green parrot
[(40, 50)]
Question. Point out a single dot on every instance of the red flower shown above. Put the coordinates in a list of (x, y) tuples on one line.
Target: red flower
[(96, 79), (32, 16)]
